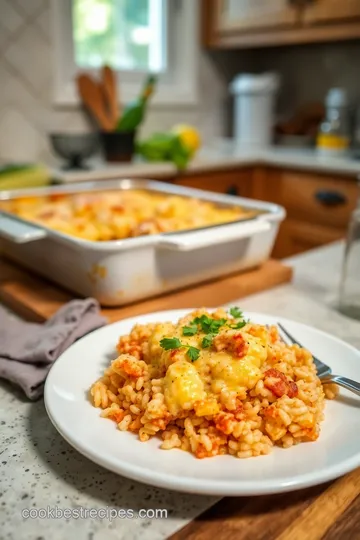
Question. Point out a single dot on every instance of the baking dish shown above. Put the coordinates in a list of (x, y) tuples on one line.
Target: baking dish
[(121, 271)]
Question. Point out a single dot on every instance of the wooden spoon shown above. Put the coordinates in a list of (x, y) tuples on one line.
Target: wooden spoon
[(92, 97), (109, 87)]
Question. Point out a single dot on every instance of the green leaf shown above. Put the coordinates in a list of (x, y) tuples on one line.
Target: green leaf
[(236, 312), (238, 325), (190, 330), (209, 325), (193, 353), (207, 340), (205, 323), (216, 324), (170, 343)]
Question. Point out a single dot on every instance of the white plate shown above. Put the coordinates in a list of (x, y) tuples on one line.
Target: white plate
[(336, 452)]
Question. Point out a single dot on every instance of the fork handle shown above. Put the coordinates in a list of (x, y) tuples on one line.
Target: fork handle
[(349, 384)]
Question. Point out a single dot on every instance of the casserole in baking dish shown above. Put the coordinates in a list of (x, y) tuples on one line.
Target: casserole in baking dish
[(119, 214), (120, 271)]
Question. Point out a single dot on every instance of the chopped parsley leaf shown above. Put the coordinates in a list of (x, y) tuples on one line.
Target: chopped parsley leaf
[(238, 325), (204, 322), (209, 325), (207, 340), (175, 343), (193, 353), (190, 330), (170, 343), (236, 312)]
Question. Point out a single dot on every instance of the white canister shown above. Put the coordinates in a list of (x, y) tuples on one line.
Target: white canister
[(254, 108)]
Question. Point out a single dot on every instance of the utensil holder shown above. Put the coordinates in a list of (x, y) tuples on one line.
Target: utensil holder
[(118, 146)]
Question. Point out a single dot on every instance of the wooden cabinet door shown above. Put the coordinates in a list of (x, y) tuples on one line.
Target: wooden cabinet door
[(318, 198), (237, 183), (332, 11), (247, 15), (298, 236)]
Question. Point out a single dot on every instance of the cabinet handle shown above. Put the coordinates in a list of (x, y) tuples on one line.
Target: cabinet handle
[(232, 190), (330, 198)]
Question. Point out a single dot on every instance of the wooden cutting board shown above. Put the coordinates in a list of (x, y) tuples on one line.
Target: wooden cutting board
[(37, 299)]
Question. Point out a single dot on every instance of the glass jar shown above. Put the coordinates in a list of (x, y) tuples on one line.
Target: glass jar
[(349, 298), (333, 139)]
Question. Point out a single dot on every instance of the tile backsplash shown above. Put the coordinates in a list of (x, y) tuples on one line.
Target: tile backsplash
[(26, 111)]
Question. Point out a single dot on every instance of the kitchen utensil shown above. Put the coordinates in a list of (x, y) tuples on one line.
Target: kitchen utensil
[(324, 371), (349, 297), (109, 87), (74, 148), (118, 272), (91, 94), (336, 452)]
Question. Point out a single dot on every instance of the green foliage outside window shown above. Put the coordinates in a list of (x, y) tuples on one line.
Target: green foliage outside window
[(113, 32)]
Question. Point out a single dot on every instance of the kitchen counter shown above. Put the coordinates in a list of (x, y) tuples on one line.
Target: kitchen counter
[(220, 156), (39, 469)]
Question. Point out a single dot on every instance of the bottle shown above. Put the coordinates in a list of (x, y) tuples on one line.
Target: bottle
[(333, 139), (349, 297), (134, 113)]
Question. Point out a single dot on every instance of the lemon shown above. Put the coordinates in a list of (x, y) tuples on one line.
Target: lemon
[(189, 135)]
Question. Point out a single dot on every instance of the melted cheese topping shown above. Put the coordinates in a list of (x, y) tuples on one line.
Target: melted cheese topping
[(187, 382), (182, 386), (235, 373)]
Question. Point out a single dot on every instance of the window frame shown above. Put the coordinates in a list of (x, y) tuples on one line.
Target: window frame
[(178, 84)]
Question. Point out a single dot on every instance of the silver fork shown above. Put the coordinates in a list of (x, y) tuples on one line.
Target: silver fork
[(324, 371)]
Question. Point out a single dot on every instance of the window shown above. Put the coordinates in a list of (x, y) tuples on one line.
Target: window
[(134, 37), (125, 34)]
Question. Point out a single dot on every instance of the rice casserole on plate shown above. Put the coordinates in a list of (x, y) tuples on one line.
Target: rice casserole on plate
[(213, 383)]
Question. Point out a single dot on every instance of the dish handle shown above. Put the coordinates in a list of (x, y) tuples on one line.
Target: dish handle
[(186, 240), (18, 231)]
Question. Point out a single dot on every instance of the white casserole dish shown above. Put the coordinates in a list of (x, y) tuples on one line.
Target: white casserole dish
[(122, 271)]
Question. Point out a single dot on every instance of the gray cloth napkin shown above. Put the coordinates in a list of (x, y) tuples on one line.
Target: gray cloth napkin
[(27, 350)]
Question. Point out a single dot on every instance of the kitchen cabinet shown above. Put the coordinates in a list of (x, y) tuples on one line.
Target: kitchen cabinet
[(298, 236), (321, 11), (315, 198), (245, 15), (318, 206), (258, 23), (237, 182)]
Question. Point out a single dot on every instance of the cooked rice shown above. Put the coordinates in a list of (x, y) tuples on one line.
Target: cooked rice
[(283, 407)]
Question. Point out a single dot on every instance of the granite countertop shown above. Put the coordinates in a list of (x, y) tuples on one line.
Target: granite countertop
[(221, 155), (38, 468)]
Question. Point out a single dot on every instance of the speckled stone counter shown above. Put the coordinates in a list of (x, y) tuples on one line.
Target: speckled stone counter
[(39, 469)]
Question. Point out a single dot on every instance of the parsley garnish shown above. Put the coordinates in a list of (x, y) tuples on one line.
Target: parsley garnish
[(207, 340), (190, 330), (193, 353), (238, 325), (209, 325), (236, 312), (174, 343), (170, 343)]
